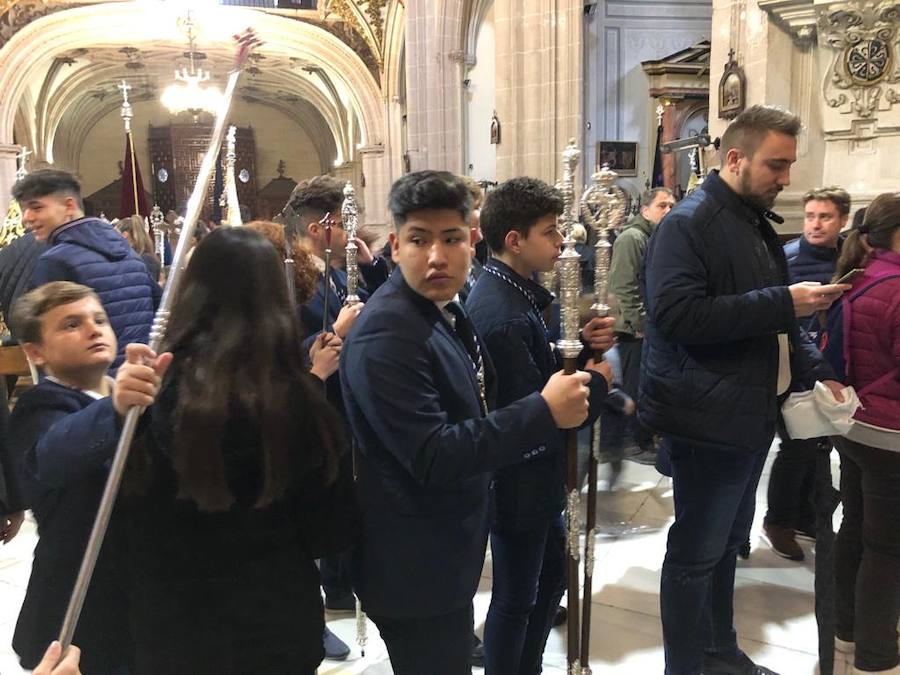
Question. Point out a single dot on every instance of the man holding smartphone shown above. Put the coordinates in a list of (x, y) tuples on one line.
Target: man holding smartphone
[(812, 258), (721, 343)]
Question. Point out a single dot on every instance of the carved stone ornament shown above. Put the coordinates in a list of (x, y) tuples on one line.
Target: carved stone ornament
[(15, 15), (864, 38)]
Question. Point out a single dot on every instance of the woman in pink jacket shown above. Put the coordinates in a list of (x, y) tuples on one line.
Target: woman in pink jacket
[(867, 548)]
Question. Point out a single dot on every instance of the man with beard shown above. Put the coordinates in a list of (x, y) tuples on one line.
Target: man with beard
[(721, 344)]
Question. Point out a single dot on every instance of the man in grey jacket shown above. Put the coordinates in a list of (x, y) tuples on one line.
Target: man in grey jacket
[(624, 286)]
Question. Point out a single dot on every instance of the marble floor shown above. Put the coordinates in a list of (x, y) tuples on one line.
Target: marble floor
[(773, 597)]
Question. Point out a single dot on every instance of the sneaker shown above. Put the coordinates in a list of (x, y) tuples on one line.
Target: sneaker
[(476, 658), (561, 616), (345, 602), (782, 541), (335, 648), (714, 664)]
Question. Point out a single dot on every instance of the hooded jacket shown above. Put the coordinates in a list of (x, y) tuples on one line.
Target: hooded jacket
[(89, 251)]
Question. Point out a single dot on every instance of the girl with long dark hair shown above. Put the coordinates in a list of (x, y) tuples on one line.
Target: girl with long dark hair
[(867, 548), (235, 488)]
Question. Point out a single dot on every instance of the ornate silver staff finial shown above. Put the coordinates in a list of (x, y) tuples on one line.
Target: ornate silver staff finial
[(229, 198), (21, 171), (127, 111), (350, 218), (159, 236), (570, 273), (603, 208)]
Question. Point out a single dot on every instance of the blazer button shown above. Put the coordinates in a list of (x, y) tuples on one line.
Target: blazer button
[(542, 448), (527, 455)]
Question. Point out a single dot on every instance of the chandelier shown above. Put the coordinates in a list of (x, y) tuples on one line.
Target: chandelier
[(190, 91)]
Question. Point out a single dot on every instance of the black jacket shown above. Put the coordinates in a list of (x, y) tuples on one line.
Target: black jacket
[(517, 340), (715, 286), (233, 592), (426, 453)]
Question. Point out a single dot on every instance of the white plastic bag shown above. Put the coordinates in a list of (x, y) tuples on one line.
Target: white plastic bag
[(817, 413)]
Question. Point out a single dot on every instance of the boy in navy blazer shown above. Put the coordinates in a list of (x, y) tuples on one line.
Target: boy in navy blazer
[(519, 222), (64, 433), (420, 395)]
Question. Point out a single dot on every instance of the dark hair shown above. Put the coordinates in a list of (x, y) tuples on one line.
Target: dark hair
[(648, 196), (517, 204), (29, 308), (837, 196), (313, 198), (749, 128), (858, 217), (428, 190), (305, 273), (881, 221), (238, 357), (45, 182)]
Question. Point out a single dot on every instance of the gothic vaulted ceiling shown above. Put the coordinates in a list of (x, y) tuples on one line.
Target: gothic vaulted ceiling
[(313, 71)]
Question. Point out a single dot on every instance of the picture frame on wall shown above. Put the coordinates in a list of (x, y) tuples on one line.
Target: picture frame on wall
[(620, 156), (732, 89)]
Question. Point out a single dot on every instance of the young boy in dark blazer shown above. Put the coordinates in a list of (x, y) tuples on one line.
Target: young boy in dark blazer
[(528, 535), (64, 433), (420, 394)]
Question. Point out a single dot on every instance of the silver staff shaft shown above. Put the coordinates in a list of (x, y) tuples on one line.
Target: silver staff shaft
[(289, 278), (570, 348), (157, 332), (350, 218)]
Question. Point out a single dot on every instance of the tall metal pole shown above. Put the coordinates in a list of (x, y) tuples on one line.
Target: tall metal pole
[(350, 219), (570, 347), (602, 207), (157, 333)]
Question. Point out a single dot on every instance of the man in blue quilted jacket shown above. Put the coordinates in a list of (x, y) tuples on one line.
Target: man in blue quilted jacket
[(87, 251), (721, 344)]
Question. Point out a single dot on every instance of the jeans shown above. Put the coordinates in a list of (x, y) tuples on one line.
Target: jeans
[(437, 645), (529, 568), (867, 554), (791, 484), (336, 574), (715, 497)]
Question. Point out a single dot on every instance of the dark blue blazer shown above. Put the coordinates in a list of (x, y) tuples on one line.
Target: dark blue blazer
[(62, 441), (426, 454), (515, 337), (312, 313)]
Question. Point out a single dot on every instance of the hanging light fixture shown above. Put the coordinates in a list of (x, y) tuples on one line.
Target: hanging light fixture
[(190, 91)]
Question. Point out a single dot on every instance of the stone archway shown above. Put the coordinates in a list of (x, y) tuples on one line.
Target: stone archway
[(30, 52)]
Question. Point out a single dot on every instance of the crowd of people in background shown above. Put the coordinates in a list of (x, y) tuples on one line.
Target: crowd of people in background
[(299, 452)]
